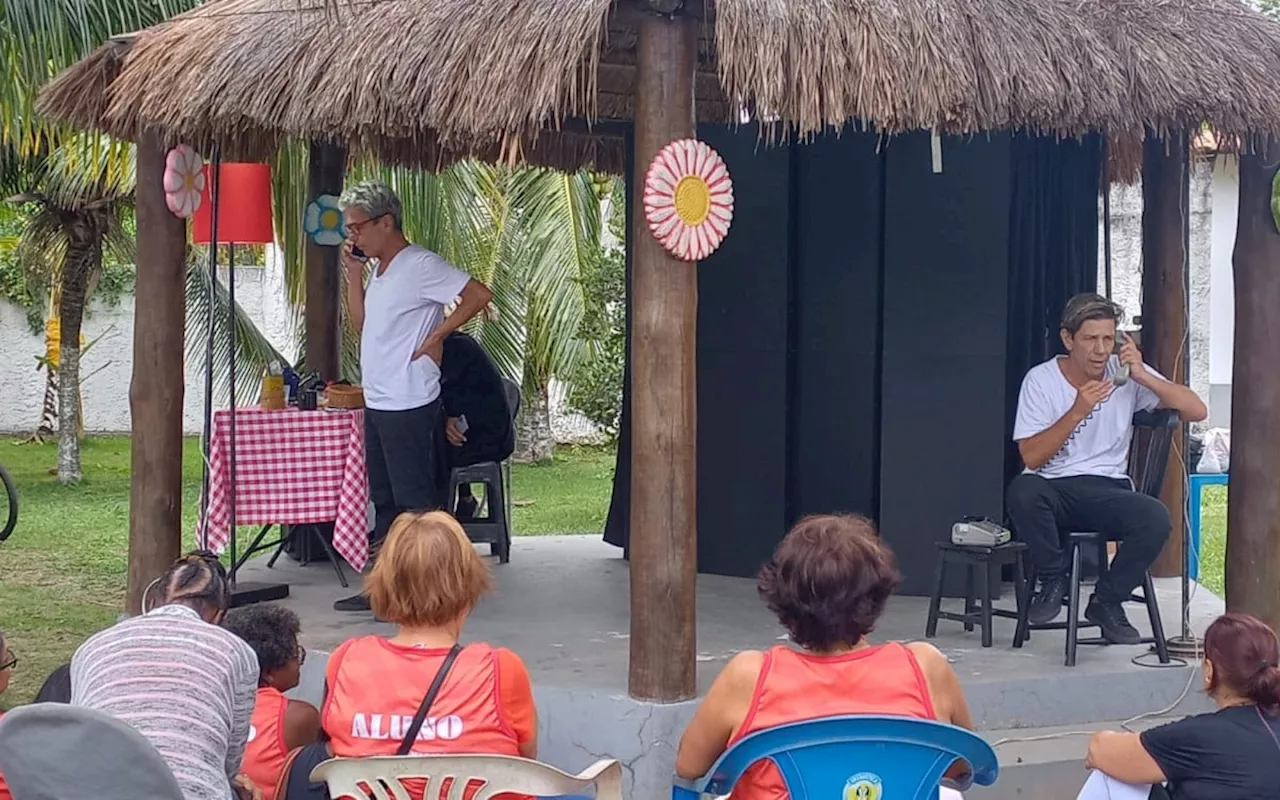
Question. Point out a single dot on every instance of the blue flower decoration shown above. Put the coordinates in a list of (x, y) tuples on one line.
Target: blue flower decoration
[(323, 221)]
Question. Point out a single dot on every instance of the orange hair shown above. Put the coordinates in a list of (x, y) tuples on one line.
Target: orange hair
[(427, 572)]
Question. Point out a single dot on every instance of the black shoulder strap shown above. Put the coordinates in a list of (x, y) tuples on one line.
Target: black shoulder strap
[(410, 735)]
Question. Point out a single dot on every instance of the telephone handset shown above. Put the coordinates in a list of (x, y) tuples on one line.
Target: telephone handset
[(1122, 372)]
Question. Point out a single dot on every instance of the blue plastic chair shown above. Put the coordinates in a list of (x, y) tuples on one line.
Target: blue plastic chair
[(853, 758)]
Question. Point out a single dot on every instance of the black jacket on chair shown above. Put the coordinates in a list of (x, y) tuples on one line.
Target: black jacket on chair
[(471, 387)]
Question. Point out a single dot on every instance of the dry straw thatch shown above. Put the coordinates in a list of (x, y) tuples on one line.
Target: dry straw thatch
[(428, 81)]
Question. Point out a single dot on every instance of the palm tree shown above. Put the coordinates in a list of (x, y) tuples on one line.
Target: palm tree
[(74, 213), (79, 186)]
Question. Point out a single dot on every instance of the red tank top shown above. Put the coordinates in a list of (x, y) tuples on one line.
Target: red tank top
[(266, 752), (376, 687), (794, 687)]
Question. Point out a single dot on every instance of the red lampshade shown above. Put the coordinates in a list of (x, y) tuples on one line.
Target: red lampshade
[(244, 206)]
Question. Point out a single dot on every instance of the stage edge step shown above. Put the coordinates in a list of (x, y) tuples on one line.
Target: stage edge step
[(1045, 763)]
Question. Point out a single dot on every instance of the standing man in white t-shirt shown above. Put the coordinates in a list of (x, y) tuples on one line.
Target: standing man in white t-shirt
[(400, 316), (1073, 429)]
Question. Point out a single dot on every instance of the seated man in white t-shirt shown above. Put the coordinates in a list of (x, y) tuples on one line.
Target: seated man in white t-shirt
[(1073, 428), (402, 324)]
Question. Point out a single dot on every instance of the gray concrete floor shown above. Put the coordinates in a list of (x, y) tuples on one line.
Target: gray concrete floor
[(561, 604)]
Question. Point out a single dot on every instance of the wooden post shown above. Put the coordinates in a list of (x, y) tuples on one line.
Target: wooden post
[(156, 389), (324, 287), (1165, 194), (1253, 507), (664, 387)]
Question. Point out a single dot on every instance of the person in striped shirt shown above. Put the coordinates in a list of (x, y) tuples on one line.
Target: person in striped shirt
[(184, 683)]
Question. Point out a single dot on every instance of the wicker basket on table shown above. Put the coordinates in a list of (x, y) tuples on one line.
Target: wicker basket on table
[(343, 396)]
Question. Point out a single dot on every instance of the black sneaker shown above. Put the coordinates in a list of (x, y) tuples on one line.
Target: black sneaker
[(1115, 625), (356, 602), (1046, 604)]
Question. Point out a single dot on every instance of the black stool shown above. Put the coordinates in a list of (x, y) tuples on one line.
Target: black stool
[(495, 526), (1074, 623), (984, 563)]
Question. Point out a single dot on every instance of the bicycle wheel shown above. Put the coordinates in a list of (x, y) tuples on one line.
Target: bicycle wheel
[(8, 505)]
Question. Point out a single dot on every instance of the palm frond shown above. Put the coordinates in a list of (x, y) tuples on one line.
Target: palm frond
[(40, 38), (426, 220), (42, 245), (87, 169), (289, 200), (254, 352), (490, 245), (562, 213)]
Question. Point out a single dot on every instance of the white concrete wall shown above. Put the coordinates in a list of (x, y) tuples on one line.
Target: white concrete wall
[(109, 364), (1222, 309), (1213, 214)]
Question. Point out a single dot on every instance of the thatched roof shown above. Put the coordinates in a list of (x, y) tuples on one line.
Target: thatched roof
[(425, 81)]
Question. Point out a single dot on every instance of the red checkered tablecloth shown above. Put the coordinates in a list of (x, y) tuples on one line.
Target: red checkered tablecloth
[(292, 467)]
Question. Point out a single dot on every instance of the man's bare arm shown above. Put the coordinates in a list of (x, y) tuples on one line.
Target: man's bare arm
[(475, 296), (1176, 396), (1172, 395), (1038, 449)]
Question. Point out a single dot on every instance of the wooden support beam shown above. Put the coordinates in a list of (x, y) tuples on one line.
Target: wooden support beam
[(1253, 507), (1165, 194), (327, 168), (664, 388), (156, 389)]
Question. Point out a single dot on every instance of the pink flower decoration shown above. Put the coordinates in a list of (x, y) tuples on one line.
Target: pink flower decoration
[(183, 180), (688, 199)]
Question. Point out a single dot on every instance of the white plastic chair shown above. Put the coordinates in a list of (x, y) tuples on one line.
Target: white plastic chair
[(380, 777)]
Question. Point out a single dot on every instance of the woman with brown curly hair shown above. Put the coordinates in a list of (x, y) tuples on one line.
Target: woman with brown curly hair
[(827, 583)]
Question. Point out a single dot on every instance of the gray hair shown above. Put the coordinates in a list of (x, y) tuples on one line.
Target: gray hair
[(375, 199), (1084, 307)]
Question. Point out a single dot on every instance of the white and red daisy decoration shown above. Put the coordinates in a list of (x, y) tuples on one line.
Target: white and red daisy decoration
[(183, 181), (688, 199)]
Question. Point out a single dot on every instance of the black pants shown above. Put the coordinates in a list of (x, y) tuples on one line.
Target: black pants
[(404, 457), (296, 780), (1044, 510)]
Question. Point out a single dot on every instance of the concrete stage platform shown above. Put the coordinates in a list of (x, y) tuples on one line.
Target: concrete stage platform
[(561, 604)]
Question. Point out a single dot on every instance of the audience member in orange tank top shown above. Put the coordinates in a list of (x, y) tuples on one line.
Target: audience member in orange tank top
[(427, 579), (279, 724), (828, 583)]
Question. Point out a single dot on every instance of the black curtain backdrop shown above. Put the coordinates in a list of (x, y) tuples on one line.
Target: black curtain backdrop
[(617, 524), (1053, 252)]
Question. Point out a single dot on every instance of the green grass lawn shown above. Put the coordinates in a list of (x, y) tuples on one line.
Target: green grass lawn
[(1213, 538), (62, 572)]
